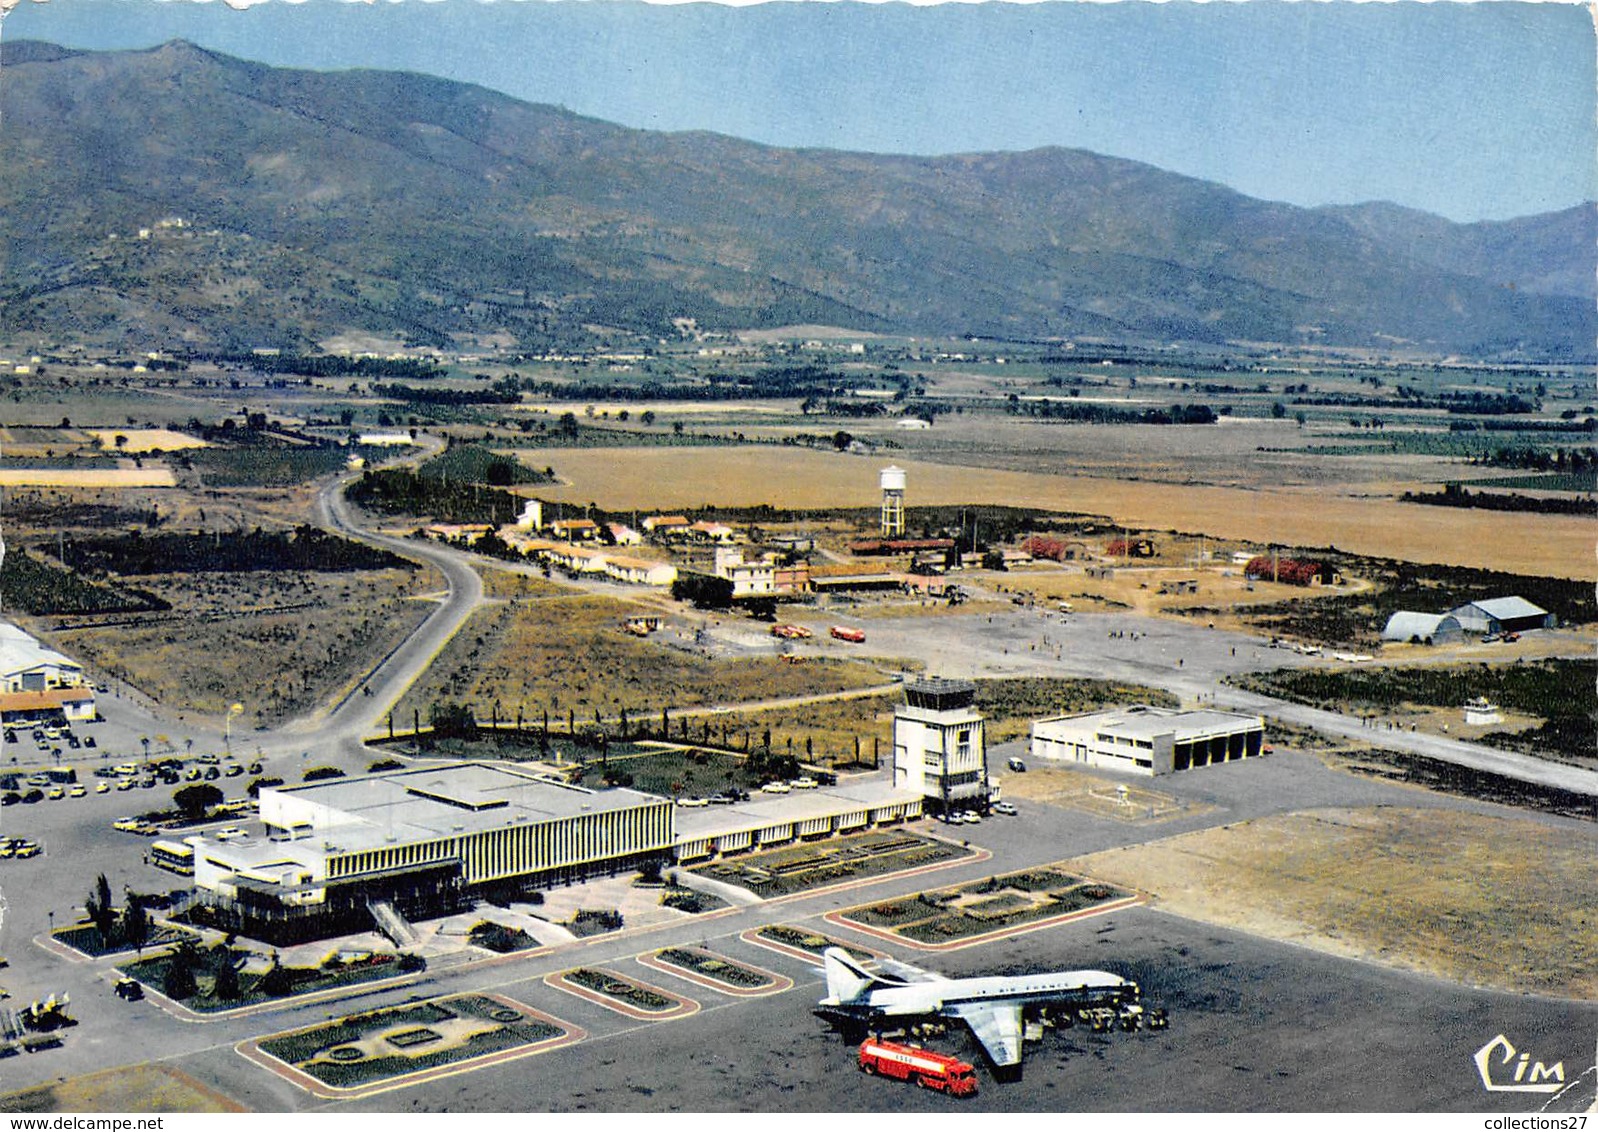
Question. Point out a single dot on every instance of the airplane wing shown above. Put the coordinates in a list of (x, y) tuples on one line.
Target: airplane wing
[(905, 973), (997, 1027)]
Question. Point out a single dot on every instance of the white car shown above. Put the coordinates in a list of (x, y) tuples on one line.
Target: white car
[(1005, 808), (231, 833), (690, 802), (971, 817), (804, 784), (776, 788)]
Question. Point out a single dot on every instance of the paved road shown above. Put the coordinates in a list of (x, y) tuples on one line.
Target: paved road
[(1188, 659)]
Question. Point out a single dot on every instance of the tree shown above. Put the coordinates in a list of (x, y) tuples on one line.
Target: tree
[(1278, 410), (136, 923), (195, 800), (226, 986), (179, 982)]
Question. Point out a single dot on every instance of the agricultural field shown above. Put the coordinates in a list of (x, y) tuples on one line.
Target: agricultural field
[(1377, 525), (570, 654), (263, 466), (278, 642), (1491, 901), (1555, 695)]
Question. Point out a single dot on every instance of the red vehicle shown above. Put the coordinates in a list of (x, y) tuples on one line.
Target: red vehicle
[(844, 633), (928, 1069)]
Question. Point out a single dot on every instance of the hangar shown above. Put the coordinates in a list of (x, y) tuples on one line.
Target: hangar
[(1422, 628), (1149, 740), (1503, 615)]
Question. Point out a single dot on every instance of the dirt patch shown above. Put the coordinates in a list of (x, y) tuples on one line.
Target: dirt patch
[(1103, 797), (136, 1088), (1498, 902)]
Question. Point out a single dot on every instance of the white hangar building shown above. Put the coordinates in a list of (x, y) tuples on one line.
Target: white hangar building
[(1149, 740)]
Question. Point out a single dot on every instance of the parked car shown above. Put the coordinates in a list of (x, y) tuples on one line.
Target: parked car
[(691, 802), (77, 791), (803, 784), (129, 990), (776, 788), (1016, 764), (1005, 808)]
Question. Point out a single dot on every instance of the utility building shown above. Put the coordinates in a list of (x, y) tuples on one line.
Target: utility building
[(1148, 740), (939, 750)]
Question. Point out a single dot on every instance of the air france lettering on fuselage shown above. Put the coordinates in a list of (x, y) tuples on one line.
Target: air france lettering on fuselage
[(990, 1005)]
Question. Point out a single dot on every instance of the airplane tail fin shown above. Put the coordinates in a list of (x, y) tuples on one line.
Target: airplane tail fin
[(846, 979)]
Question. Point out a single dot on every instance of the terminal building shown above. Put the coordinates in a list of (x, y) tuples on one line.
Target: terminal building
[(416, 844), (939, 751), (1148, 740)]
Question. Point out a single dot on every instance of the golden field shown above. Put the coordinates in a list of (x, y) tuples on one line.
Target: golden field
[(670, 478)]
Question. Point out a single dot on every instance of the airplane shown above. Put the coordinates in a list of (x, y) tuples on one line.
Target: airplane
[(991, 1006)]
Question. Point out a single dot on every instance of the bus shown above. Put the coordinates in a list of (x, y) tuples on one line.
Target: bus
[(173, 856)]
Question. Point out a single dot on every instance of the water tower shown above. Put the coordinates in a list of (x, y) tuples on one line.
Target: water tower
[(892, 502)]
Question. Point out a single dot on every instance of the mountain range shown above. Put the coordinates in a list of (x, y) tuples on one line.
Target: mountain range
[(319, 204)]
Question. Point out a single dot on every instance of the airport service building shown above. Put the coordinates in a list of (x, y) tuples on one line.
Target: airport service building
[(1148, 740), (416, 844)]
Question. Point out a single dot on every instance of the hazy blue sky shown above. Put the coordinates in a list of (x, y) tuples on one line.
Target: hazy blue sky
[(1471, 111)]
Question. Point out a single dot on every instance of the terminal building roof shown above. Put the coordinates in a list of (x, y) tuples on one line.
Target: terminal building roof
[(438, 802)]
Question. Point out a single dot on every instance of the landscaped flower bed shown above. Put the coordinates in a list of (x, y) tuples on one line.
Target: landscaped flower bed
[(714, 967), (352, 1051), (991, 905), (614, 986), (812, 943)]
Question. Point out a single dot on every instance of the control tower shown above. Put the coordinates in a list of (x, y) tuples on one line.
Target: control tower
[(892, 502)]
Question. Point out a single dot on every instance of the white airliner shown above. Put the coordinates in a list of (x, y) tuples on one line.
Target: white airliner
[(991, 1005)]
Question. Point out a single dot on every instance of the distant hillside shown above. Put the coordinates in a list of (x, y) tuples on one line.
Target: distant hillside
[(319, 203)]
